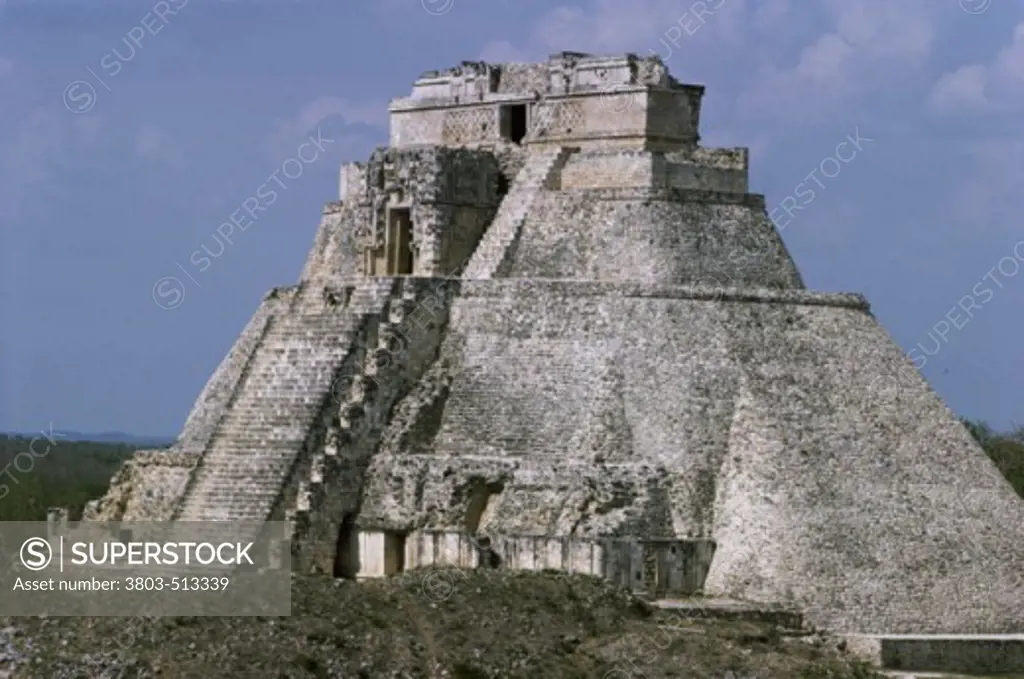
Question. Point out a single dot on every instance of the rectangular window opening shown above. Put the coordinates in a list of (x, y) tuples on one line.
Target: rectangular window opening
[(400, 256), (513, 122)]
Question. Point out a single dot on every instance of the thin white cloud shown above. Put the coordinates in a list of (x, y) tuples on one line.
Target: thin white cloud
[(609, 26), (998, 85), (867, 46), (374, 114), (961, 89), (815, 58), (319, 113)]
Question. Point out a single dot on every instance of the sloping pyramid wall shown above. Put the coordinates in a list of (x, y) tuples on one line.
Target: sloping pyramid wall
[(663, 236), (777, 423)]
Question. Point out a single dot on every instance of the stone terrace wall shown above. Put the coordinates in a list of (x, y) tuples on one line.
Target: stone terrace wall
[(667, 237), (594, 450), (546, 495), (656, 567), (647, 169), (335, 252), (798, 435), (147, 488)]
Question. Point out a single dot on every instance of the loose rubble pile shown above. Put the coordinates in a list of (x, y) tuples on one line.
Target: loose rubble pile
[(12, 654), (429, 623)]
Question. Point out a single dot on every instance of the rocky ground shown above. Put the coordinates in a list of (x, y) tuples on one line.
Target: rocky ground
[(426, 624)]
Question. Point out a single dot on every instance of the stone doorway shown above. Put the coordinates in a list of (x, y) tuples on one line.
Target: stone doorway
[(479, 509), (395, 256), (399, 241), (394, 553), (513, 122), (346, 550)]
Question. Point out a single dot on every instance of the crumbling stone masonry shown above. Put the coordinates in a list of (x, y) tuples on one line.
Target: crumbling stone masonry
[(546, 316)]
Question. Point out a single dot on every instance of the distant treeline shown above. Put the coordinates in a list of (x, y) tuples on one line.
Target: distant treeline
[(1005, 449), (36, 474), (46, 471)]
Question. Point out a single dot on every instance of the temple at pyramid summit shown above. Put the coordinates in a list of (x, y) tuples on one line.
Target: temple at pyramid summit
[(545, 315)]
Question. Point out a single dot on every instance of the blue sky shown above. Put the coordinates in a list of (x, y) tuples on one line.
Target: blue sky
[(119, 159)]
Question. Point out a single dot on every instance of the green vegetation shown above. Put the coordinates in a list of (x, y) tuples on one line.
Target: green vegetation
[(36, 474), (1006, 451)]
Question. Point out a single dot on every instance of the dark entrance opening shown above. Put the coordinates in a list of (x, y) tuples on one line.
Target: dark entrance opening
[(346, 550), (486, 556), (394, 553), (400, 238), (502, 185), (513, 122)]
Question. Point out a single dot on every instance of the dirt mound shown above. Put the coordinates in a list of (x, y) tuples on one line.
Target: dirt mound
[(426, 624)]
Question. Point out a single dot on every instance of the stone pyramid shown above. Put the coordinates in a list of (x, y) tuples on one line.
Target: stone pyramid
[(545, 314)]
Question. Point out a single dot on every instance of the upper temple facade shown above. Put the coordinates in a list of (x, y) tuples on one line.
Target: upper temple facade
[(586, 143), (545, 315), (573, 99)]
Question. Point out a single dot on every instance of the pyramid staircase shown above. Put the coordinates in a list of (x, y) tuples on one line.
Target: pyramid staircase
[(245, 468), (381, 365), (537, 174)]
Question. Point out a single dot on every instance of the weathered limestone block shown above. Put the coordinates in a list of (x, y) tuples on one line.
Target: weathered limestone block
[(675, 237), (148, 487), (573, 99)]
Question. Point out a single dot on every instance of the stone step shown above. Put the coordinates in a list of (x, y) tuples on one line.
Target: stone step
[(252, 464), (257, 500), (215, 479), (941, 654), (231, 455), (240, 448), (512, 212), (729, 609), (288, 382), (223, 476), (252, 496), (235, 452), (248, 442)]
